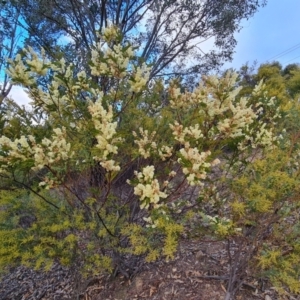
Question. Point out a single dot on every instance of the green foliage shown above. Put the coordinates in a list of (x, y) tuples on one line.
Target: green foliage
[(36, 234), (280, 83), (264, 207)]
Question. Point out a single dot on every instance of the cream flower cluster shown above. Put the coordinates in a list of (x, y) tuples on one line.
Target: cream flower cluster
[(261, 137), (148, 188), (242, 116), (47, 153), (19, 72), (111, 61), (194, 165), (178, 99), (53, 97), (258, 88), (110, 33), (52, 150), (180, 133), (213, 95), (216, 99), (164, 152), (140, 78), (145, 143), (14, 151), (37, 65), (59, 66), (116, 61), (25, 72), (81, 83), (102, 120)]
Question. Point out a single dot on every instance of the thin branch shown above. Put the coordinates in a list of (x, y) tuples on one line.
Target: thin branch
[(36, 193)]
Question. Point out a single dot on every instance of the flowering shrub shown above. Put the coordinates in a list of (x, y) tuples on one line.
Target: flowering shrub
[(149, 157)]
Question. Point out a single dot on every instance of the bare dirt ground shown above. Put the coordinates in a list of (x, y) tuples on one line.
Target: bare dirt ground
[(198, 272)]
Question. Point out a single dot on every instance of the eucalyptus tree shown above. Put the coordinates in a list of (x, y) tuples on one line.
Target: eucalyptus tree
[(10, 36), (178, 37)]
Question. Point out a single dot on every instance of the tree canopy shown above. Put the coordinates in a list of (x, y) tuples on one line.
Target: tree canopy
[(282, 83), (175, 36)]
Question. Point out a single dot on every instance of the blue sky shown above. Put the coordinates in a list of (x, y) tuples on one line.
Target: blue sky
[(268, 36), (274, 29)]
